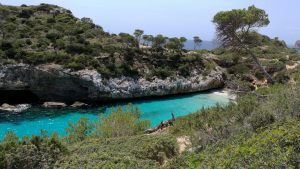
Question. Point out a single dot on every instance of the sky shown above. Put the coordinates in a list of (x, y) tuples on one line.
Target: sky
[(175, 18)]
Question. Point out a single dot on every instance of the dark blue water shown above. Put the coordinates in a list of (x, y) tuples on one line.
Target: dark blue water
[(34, 120)]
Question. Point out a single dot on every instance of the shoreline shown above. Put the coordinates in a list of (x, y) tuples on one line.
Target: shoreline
[(226, 93)]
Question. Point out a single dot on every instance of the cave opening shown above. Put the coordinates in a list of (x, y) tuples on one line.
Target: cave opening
[(17, 96)]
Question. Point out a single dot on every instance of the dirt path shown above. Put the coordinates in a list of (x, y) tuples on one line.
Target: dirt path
[(292, 67), (183, 143)]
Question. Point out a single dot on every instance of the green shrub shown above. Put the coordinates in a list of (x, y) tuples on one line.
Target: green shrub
[(295, 57), (52, 35), (11, 138), (136, 152), (105, 72), (282, 77), (184, 69), (159, 150), (238, 69), (162, 72), (78, 48), (229, 59), (79, 131), (276, 147), (35, 152), (25, 13), (218, 51), (261, 119), (209, 65), (122, 123), (2, 55), (128, 71), (274, 66)]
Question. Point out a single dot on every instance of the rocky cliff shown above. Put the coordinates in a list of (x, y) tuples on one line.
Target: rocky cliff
[(52, 82)]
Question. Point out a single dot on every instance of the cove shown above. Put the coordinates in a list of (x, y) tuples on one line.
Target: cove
[(32, 121)]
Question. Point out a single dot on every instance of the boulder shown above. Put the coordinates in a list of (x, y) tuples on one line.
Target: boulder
[(7, 107), (79, 105), (14, 108), (54, 105)]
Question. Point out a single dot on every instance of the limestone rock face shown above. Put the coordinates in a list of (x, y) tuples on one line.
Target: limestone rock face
[(79, 105), (54, 83), (14, 108), (54, 105)]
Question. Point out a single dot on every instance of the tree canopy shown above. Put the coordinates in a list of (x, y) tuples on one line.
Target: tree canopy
[(236, 27), (138, 35), (197, 41)]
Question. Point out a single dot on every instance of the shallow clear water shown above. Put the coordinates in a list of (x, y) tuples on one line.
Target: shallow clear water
[(156, 110)]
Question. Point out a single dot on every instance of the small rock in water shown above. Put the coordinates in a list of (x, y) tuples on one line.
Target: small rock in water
[(79, 105), (14, 108), (54, 105)]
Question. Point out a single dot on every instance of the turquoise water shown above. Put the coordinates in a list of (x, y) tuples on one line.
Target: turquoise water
[(34, 120)]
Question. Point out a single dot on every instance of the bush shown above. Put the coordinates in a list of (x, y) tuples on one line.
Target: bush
[(128, 71), (282, 77), (35, 152), (122, 123), (261, 119), (162, 72), (159, 150), (184, 69), (136, 152), (274, 66), (209, 65), (218, 51), (78, 48), (229, 59), (52, 35), (25, 13), (238, 69), (276, 147), (79, 131), (2, 55)]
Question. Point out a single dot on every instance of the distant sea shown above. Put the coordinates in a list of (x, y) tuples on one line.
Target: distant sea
[(208, 45), (293, 47)]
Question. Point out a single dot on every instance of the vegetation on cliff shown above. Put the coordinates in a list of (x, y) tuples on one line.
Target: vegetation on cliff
[(50, 34), (46, 34), (260, 130)]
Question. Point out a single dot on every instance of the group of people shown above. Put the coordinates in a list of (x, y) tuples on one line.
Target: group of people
[(162, 125)]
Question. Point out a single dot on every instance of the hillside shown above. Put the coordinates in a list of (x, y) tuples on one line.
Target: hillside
[(87, 64), (51, 34), (47, 54)]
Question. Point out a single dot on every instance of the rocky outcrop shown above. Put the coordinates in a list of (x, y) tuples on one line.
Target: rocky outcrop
[(54, 105), (79, 105), (14, 108), (54, 83)]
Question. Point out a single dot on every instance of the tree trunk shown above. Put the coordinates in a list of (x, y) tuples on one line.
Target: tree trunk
[(262, 69)]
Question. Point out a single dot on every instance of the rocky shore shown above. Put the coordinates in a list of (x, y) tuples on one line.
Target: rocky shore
[(7, 108), (54, 83)]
